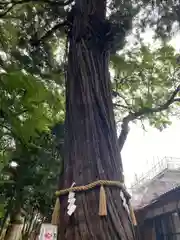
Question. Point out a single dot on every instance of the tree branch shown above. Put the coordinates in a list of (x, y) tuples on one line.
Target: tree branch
[(124, 133), (51, 2), (121, 106), (36, 42), (9, 5), (144, 111), (8, 10)]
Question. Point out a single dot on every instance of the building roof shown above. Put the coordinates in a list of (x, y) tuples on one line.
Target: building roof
[(166, 196), (166, 179)]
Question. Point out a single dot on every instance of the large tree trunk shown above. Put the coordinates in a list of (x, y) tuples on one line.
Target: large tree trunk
[(91, 148)]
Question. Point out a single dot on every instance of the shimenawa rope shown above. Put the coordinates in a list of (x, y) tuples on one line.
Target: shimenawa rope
[(102, 197)]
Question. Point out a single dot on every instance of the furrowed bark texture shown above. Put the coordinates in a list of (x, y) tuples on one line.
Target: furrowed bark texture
[(91, 147)]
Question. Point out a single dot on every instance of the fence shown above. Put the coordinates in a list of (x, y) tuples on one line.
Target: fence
[(170, 163)]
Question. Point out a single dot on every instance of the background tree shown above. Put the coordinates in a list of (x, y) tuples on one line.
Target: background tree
[(29, 106), (29, 110), (36, 153), (146, 87)]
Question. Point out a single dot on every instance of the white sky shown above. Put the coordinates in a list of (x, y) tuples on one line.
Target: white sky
[(142, 148)]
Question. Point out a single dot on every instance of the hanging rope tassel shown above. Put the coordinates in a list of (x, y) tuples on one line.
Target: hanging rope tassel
[(102, 202), (56, 213), (132, 214)]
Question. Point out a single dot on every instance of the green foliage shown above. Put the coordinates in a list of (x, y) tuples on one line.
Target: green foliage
[(29, 109), (31, 103), (37, 171), (27, 105), (145, 79)]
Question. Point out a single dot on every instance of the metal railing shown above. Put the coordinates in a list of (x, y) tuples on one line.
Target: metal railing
[(170, 163)]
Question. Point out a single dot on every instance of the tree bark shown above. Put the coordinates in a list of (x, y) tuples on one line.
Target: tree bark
[(91, 146), (5, 218)]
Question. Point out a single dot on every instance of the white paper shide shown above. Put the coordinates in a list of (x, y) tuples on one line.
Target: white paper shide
[(125, 205), (71, 202)]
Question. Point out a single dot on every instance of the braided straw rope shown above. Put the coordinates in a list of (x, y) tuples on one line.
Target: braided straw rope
[(102, 199), (93, 185)]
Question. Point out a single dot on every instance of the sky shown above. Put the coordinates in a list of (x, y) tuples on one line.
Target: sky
[(143, 149)]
